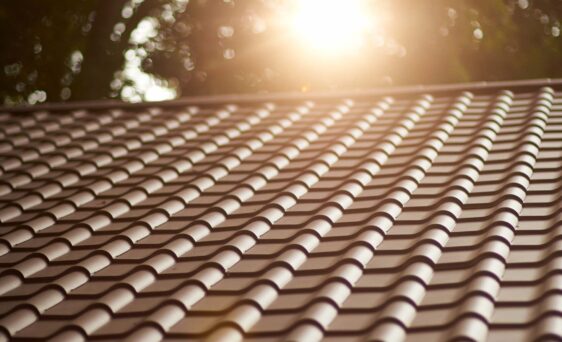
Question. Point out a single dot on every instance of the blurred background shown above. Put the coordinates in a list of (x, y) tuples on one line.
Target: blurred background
[(149, 50)]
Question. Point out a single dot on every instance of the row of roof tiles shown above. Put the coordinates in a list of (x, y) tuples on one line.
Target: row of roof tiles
[(383, 219)]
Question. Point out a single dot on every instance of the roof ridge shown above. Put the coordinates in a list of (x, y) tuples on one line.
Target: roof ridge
[(445, 88)]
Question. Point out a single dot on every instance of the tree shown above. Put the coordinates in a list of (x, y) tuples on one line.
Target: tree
[(94, 49)]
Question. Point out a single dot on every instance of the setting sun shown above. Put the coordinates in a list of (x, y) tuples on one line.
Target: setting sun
[(331, 26)]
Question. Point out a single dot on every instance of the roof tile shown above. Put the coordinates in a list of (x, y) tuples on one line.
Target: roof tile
[(420, 216)]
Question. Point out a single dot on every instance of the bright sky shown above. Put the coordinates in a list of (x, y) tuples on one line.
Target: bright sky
[(144, 86)]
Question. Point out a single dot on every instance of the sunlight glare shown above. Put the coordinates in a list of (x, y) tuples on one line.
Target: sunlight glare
[(331, 25)]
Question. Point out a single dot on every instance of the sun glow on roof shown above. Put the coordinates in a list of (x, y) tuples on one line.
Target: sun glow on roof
[(331, 26)]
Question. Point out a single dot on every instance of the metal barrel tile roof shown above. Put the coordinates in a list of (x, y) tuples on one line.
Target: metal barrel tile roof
[(401, 215)]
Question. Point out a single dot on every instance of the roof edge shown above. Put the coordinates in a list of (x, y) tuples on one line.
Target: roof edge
[(518, 85)]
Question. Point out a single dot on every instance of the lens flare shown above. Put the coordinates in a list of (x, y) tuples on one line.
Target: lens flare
[(331, 25)]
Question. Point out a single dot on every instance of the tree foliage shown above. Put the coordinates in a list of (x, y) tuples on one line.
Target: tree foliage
[(93, 49)]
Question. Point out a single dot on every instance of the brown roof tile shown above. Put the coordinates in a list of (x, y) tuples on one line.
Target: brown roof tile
[(429, 215)]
